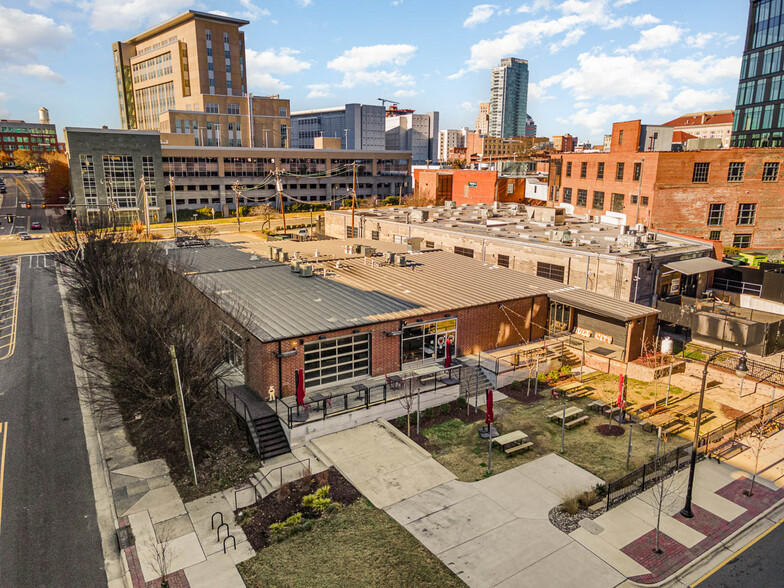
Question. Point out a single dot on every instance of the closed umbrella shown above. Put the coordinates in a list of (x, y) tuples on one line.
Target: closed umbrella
[(300, 377), (448, 358), (620, 401), (489, 409)]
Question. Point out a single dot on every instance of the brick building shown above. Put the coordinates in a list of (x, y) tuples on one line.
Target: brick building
[(705, 125), (38, 137), (727, 195), (479, 186)]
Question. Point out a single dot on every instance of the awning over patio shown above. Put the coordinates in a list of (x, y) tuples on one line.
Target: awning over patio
[(699, 265)]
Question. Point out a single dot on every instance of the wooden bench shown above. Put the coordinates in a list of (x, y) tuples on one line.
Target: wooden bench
[(515, 448), (674, 429), (573, 423)]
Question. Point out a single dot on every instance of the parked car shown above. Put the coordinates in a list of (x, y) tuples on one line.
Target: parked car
[(35, 225), (189, 241), (24, 236)]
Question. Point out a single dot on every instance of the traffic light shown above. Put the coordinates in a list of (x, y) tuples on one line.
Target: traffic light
[(43, 205), (9, 218), (28, 205)]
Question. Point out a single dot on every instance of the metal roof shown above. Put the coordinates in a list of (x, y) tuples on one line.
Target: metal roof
[(274, 303), (215, 258), (699, 265)]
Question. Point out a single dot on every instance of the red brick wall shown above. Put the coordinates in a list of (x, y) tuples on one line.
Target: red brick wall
[(629, 142), (484, 193)]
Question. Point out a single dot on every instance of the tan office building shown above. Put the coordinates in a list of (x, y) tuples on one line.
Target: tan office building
[(187, 75)]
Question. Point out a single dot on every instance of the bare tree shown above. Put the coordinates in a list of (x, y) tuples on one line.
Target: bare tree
[(408, 398), (207, 232), (666, 487), (758, 436), (162, 554), (265, 211)]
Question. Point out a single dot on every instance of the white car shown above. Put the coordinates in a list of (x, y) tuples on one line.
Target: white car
[(24, 235)]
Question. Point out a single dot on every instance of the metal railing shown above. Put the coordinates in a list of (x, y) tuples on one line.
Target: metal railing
[(331, 404), (257, 494), (245, 412), (525, 359), (739, 427), (737, 286), (649, 474), (758, 370)]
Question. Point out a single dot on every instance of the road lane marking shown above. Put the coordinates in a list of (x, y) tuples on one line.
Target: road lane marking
[(11, 300), (4, 430)]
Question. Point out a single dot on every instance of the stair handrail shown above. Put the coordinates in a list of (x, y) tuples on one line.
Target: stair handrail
[(246, 413), (255, 485)]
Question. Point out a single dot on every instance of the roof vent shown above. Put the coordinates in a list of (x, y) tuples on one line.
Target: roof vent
[(400, 260), (306, 271), (295, 266)]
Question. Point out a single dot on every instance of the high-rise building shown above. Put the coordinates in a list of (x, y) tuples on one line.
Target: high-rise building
[(509, 98), (187, 75), (417, 133), (450, 139), (482, 124), (759, 110), (530, 126), (358, 126)]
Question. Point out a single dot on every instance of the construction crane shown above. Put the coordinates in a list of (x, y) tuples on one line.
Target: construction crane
[(384, 102)]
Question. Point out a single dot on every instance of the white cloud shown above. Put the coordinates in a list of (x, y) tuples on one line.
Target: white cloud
[(644, 20), (535, 6), (319, 91), (252, 12), (3, 99), (700, 40), (481, 13), (106, 15), (691, 99), (23, 35), (624, 2), (304, 3), (262, 64), (361, 65), (467, 106), (571, 38), (658, 37), (405, 93)]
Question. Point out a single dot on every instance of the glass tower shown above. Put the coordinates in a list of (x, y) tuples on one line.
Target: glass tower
[(509, 99), (759, 110)]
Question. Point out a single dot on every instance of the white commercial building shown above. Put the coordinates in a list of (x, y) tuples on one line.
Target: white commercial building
[(359, 126), (449, 139), (417, 133)]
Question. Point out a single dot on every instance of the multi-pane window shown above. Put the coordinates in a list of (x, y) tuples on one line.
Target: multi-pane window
[(617, 203), (464, 251), (148, 171), (747, 214), (735, 173), (88, 180), (568, 169), (211, 107), (598, 200), (714, 235), (637, 171), (619, 171), (741, 240), (635, 198), (700, 175), (428, 341), (503, 260), (583, 169), (233, 351), (716, 215), (374, 235), (120, 180), (430, 245), (550, 271), (770, 172), (567, 195), (582, 197), (340, 358), (233, 108), (181, 167), (600, 171)]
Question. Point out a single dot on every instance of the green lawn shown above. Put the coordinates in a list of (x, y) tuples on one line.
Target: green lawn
[(358, 546), (457, 446)]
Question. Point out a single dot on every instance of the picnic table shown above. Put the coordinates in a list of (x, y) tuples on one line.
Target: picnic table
[(597, 405), (513, 442), (360, 389), (662, 419), (687, 410), (571, 413), (394, 381)]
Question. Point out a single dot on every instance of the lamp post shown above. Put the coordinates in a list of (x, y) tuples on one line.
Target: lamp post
[(740, 370)]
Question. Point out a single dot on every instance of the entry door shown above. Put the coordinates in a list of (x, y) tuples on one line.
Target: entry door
[(443, 188)]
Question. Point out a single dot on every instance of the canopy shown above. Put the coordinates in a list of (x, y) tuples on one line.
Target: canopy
[(699, 265)]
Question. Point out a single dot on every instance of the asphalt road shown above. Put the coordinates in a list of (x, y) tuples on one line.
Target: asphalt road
[(21, 189), (759, 566), (48, 528)]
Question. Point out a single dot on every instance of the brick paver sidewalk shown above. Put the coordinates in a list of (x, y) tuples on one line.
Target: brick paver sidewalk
[(674, 555)]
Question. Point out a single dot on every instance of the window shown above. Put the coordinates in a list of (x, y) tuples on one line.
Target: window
[(634, 198), (465, 252), (429, 340), (340, 358), (700, 175), (550, 271), (600, 171), (282, 111), (747, 214), (503, 260), (735, 173), (568, 169), (645, 201), (430, 245), (233, 351), (374, 235), (770, 173), (714, 235), (637, 171), (619, 171), (598, 200), (582, 197), (211, 107), (583, 169), (352, 232), (715, 215), (567, 195), (616, 204), (741, 240), (233, 108), (620, 137)]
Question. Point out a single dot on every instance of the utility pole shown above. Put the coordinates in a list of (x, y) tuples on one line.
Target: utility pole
[(237, 193), (173, 197), (183, 417), (353, 198), (146, 207), (279, 188), (639, 193)]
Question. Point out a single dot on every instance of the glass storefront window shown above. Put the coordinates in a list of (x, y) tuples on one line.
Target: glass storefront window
[(427, 341)]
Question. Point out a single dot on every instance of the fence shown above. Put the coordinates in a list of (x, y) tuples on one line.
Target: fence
[(739, 427), (649, 474), (737, 286), (758, 370), (526, 359), (240, 408)]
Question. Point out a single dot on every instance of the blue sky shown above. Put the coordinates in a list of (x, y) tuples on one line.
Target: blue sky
[(591, 62)]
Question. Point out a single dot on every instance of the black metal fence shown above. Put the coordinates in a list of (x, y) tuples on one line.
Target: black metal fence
[(646, 476), (735, 429), (758, 370)]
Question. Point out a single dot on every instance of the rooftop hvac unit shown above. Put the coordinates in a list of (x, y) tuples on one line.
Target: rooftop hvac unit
[(651, 237), (306, 271), (273, 252), (640, 227), (295, 266), (357, 248), (419, 216), (415, 243), (389, 257), (283, 256), (369, 251), (400, 260), (450, 204)]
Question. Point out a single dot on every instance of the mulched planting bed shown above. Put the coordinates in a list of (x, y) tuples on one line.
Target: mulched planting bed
[(610, 430), (287, 500), (438, 417), (566, 522)]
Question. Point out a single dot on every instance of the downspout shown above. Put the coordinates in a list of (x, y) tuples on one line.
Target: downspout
[(280, 371)]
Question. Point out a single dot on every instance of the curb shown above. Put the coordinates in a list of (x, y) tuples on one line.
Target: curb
[(400, 436), (674, 578)]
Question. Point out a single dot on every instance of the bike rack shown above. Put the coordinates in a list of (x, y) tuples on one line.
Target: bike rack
[(212, 520), (233, 540), (227, 530)]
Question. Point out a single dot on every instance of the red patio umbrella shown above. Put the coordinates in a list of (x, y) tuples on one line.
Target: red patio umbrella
[(620, 402), (448, 358), (489, 408), (300, 377)]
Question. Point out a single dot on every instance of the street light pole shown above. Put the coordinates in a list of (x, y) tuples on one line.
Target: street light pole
[(740, 370), (237, 192)]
